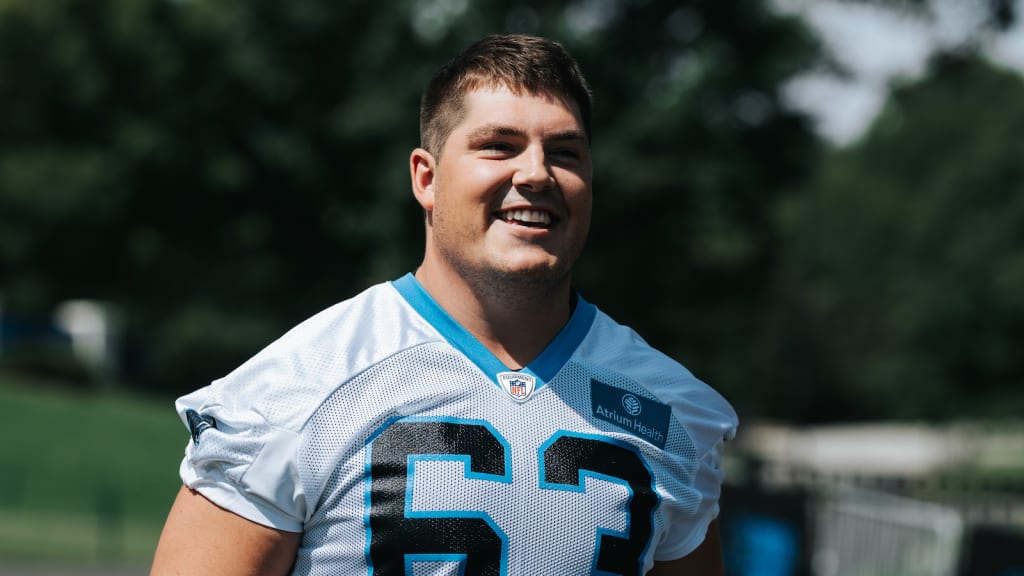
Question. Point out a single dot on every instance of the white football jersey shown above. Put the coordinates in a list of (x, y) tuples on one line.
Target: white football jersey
[(397, 444)]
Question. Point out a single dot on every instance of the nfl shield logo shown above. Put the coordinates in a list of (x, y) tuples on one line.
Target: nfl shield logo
[(518, 385)]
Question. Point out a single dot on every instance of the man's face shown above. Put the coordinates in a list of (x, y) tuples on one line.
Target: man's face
[(509, 199)]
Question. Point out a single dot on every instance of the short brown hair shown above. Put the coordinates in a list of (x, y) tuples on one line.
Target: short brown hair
[(520, 63)]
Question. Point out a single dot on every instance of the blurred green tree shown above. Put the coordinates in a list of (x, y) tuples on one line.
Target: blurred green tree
[(903, 290), (217, 169)]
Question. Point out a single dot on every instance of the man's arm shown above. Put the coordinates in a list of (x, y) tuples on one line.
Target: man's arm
[(706, 560), (202, 538)]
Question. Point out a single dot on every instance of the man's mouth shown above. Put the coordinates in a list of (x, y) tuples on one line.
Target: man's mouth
[(528, 218)]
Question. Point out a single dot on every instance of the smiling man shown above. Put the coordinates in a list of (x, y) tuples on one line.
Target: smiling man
[(478, 417), (507, 203)]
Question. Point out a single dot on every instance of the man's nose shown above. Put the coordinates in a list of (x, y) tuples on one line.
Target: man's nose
[(533, 173)]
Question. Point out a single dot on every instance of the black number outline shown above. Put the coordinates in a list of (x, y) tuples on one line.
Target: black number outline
[(565, 461), (472, 524), (612, 550)]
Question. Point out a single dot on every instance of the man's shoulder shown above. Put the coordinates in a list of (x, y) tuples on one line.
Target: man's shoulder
[(341, 318), (618, 349), (297, 372)]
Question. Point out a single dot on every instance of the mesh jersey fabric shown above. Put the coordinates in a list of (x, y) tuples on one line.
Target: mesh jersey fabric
[(378, 428)]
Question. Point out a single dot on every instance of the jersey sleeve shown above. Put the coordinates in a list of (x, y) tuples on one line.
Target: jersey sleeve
[(240, 461), (248, 428), (711, 423)]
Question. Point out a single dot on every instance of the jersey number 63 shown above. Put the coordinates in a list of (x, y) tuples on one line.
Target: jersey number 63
[(397, 538)]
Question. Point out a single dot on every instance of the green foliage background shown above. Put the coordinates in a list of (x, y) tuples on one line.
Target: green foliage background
[(904, 266), (219, 170)]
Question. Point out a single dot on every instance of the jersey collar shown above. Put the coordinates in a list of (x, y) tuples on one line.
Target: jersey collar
[(543, 368)]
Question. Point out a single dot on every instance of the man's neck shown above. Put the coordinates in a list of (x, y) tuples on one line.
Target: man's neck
[(516, 323)]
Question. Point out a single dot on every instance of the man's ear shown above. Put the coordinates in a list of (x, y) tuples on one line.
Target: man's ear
[(422, 169)]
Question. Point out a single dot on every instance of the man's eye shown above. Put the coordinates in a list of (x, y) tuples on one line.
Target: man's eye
[(566, 153), (498, 146)]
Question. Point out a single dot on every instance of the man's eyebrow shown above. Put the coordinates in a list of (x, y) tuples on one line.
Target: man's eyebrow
[(496, 130), (567, 135), (492, 130)]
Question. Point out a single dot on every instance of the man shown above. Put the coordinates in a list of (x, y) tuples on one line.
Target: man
[(478, 417)]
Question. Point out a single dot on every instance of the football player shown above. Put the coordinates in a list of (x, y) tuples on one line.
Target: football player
[(477, 416)]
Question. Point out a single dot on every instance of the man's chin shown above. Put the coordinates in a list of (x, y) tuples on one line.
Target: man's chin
[(532, 270), (533, 274)]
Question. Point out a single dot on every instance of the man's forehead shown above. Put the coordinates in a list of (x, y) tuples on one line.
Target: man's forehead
[(499, 87), (486, 94)]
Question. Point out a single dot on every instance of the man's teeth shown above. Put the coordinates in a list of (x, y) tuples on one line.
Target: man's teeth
[(527, 216)]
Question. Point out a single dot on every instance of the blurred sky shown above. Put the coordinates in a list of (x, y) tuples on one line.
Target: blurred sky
[(877, 43)]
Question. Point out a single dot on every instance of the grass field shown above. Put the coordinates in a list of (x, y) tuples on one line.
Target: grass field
[(85, 478)]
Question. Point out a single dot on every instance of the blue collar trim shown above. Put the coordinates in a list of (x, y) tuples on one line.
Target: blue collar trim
[(543, 368)]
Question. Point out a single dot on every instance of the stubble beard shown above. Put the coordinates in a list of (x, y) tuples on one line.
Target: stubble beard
[(519, 286)]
